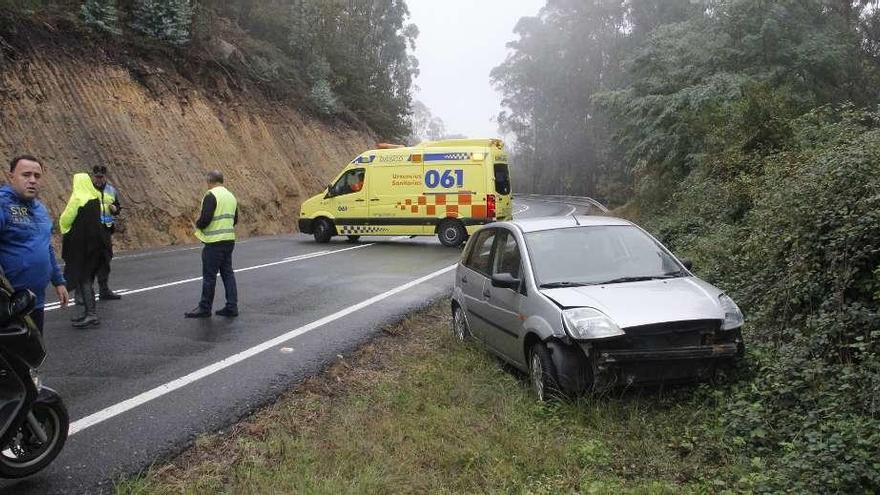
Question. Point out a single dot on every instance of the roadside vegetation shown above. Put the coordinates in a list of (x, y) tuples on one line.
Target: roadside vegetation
[(340, 60), (744, 133), (416, 412)]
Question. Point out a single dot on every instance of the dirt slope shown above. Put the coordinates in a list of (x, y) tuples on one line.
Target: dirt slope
[(159, 130)]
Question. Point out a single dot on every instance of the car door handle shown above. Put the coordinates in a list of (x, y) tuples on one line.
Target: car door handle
[(487, 294), (359, 200), (375, 199)]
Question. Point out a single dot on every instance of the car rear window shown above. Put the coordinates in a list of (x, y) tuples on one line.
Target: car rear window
[(502, 179), (507, 260), (481, 254)]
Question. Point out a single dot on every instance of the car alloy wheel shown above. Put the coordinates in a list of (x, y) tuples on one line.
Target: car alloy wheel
[(459, 325), (542, 373)]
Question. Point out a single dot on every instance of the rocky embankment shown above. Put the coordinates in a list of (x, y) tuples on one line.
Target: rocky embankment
[(158, 129)]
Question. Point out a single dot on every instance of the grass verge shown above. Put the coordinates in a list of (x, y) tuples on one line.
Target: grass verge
[(415, 412)]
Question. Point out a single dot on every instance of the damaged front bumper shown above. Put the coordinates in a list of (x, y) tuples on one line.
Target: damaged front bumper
[(663, 358), (682, 353)]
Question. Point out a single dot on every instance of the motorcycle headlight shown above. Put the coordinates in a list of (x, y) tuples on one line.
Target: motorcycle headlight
[(733, 317), (588, 324), (36, 378)]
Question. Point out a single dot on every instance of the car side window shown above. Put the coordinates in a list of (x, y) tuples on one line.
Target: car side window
[(507, 256), (481, 254), (350, 182)]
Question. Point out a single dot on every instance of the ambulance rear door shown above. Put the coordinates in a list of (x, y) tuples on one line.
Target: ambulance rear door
[(501, 188)]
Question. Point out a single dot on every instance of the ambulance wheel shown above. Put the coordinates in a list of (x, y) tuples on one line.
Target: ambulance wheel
[(451, 233), (323, 230), (353, 238)]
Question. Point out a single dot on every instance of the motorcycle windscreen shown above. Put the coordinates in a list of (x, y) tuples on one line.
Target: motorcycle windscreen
[(33, 352), (12, 395)]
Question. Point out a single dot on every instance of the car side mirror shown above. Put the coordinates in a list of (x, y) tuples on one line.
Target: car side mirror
[(688, 263), (505, 281)]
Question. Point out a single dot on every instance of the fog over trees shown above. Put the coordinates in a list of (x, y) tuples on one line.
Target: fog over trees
[(606, 96)]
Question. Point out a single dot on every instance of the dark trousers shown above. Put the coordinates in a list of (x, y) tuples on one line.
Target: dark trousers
[(85, 292), (103, 273), (38, 316), (217, 257)]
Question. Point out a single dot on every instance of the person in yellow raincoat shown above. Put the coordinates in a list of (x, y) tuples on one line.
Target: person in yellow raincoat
[(85, 245)]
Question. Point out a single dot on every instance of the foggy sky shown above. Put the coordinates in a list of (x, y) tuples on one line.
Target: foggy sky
[(459, 42)]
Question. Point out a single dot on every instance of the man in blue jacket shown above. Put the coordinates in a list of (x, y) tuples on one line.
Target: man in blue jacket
[(26, 253)]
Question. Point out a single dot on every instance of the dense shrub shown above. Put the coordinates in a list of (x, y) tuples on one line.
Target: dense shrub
[(795, 238)]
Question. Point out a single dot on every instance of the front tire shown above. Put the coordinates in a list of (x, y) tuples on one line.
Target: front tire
[(323, 230), (542, 374), (25, 454), (460, 329), (451, 233)]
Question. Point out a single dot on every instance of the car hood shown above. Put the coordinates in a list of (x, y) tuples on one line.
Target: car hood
[(643, 303)]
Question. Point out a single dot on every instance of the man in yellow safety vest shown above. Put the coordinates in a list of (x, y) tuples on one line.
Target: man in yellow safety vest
[(109, 210), (216, 229)]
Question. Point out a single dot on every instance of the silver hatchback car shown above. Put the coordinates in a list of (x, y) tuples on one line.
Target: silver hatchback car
[(584, 303)]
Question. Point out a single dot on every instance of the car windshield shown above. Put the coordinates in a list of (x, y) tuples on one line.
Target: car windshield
[(598, 255)]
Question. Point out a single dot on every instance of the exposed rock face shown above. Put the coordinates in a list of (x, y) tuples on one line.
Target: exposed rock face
[(158, 132)]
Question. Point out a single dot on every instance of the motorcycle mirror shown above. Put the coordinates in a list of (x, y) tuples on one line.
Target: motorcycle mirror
[(22, 303)]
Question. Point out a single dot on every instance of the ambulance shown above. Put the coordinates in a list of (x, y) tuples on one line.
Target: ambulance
[(444, 188)]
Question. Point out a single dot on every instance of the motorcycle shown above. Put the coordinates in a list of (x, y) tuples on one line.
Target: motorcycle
[(33, 419)]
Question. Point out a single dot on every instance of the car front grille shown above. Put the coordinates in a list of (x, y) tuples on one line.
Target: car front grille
[(668, 335)]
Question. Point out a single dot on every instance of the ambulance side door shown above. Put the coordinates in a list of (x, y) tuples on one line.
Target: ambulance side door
[(348, 196), (395, 197)]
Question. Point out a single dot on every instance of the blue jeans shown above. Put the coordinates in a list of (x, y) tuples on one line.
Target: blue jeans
[(217, 257)]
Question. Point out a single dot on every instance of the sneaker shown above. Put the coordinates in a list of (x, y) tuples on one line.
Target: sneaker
[(109, 296), (88, 321), (198, 313), (229, 313), (77, 319)]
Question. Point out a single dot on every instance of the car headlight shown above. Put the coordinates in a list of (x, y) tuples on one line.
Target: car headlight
[(733, 317), (588, 323)]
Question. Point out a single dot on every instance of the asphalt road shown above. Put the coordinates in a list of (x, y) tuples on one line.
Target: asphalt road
[(144, 384)]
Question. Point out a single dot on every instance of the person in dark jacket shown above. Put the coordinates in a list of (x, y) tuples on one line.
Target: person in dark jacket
[(85, 245), (26, 253)]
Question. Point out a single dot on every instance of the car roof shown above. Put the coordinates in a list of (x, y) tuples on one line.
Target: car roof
[(550, 223)]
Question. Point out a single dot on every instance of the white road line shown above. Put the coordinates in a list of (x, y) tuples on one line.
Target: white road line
[(178, 250), (129, 404), (522, 210), (55, 305)]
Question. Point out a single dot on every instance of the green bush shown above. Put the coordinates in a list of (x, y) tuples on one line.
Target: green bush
[(795, 238), (101, 15)]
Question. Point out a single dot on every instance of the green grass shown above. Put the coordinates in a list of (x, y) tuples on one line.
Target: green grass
[(415, 412)]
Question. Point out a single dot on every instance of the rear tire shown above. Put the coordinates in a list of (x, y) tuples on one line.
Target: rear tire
[(323, 230), (542, 374), (451, 233), (353, 238), (25, 454)]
